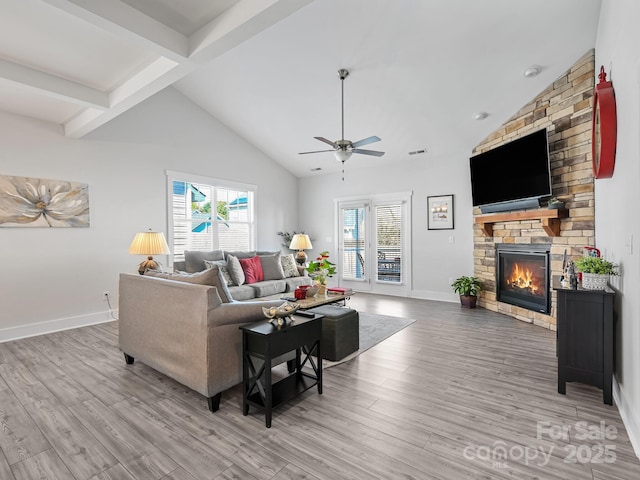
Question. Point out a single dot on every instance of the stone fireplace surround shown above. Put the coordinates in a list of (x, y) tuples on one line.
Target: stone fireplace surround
[(564, 108)]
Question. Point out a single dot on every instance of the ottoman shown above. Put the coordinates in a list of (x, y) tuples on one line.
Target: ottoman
[(340, 331)]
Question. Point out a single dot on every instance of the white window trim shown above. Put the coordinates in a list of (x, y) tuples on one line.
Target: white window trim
[(172, 175)]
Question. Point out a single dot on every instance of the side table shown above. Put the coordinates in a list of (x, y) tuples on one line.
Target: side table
[(585, 337), (262, 343)]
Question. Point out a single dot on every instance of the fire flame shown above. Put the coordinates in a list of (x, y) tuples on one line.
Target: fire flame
[(522, 278)]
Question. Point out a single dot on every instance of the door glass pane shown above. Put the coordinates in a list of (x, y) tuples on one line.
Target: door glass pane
[(389, 243), (353, 243)]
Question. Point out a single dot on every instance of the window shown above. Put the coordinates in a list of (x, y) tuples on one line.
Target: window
[(389, 242), (353, 242), (209, 214)]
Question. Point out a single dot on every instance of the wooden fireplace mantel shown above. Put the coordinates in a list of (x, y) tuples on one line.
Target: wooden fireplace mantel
[(550, 219)]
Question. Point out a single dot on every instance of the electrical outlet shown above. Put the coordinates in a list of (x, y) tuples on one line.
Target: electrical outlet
[(105, 296)]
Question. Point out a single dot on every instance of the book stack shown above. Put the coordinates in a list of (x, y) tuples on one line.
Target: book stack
[(339, 291)]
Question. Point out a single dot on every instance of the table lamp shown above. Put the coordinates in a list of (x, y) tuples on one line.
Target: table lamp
[(301, 242), (149, 243)]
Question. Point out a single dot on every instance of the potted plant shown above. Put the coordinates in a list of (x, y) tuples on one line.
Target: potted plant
[(320, 269), (595, 272), (468, 289)]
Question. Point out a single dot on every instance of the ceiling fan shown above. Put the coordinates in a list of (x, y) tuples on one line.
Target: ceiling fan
[(342, 149)]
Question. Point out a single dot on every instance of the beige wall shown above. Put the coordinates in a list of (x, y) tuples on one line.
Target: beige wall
[(564, 109)]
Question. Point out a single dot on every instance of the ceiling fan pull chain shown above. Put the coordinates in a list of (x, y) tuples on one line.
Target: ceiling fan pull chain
[(343, 170)]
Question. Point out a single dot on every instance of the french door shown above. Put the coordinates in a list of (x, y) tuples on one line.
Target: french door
[(373, 247)]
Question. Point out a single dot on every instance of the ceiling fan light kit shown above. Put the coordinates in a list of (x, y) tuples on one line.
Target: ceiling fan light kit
[(342, 149)]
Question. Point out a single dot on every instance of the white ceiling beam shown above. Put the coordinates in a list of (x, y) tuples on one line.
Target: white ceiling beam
[(155, 77), (128, 23), (239, 23), (54, 86)]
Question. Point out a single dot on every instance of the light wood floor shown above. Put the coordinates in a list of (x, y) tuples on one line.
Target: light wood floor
[(442, 399)]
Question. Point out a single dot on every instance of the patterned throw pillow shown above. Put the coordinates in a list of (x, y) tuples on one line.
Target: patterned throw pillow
[(222, 265), (252, 269), (289, 266)]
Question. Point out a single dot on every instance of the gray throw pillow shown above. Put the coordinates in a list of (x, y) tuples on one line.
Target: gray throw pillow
[(240, 254), (235, 270), (194, 260), (289, 266), (272, 267), (222, 265)]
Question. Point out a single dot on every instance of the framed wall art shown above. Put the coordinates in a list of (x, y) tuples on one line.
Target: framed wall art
[(38, 202), (440, 212)]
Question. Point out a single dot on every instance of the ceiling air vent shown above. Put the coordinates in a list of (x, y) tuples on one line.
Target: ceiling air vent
[(422, 151)]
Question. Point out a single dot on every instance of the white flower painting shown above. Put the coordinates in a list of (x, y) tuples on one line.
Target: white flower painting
[(37, 202)]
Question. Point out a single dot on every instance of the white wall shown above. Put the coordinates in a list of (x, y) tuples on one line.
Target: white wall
[(434, 259), (54, 278), (617, 199)]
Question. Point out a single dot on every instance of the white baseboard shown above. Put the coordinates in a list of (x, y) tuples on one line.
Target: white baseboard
[(437, 296), (50, 326), (629, 417)]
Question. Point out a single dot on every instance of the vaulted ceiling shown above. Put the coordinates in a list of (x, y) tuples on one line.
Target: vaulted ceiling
[(419, 69)]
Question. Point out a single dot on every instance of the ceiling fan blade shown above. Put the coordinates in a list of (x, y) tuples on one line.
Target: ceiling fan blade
[(322, 139), (368, 152), (317, 151), (366, 141)]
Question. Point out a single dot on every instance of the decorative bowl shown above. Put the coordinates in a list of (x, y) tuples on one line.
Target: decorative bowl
[(280, 313), (311, 291)]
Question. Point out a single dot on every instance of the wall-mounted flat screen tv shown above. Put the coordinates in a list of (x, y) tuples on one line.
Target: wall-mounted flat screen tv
[(514, 171)]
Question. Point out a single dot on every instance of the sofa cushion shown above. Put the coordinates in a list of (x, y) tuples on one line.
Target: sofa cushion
[(242, 292), (222, 265), (269, 287), (272, 266), (235, 270), (240, 254), (289, 266), (295, 282), (211, 276), (194, 259), (252, 268)]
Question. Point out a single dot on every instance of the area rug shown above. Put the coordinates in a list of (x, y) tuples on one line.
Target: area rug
[(373, 330)]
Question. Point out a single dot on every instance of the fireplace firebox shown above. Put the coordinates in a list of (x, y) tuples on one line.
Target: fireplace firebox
[(522, 276)]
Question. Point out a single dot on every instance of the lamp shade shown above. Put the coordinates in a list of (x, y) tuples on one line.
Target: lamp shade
[(149, 243), (300, 241)]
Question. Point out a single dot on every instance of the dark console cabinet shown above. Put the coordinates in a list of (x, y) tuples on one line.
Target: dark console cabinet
[(585, 337)]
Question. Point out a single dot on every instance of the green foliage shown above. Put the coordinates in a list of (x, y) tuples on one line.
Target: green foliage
[(467, 285), (321, 268), (596, 265), (287, 237), (222, 209)]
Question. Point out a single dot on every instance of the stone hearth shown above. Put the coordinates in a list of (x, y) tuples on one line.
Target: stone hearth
[(564, 108)]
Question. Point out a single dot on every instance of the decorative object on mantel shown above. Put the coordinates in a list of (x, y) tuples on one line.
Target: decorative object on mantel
[(596, 272), (37, 202), (281, 313), (301, 242), (554, 203), (440, 212), (604, 128), (468, 289), (149, 243)]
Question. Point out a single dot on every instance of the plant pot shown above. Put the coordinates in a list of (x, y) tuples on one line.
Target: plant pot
[(322, 289), (594, 281), (468, 301)]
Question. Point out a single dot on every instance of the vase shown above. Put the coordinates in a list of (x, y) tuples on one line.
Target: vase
[(322, 289), (594, 281)]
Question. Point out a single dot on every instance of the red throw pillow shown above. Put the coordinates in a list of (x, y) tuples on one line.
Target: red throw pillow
[(252, 269)]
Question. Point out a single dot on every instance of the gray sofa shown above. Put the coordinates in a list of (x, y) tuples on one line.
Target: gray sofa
[(185, 329), (280, 277)]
